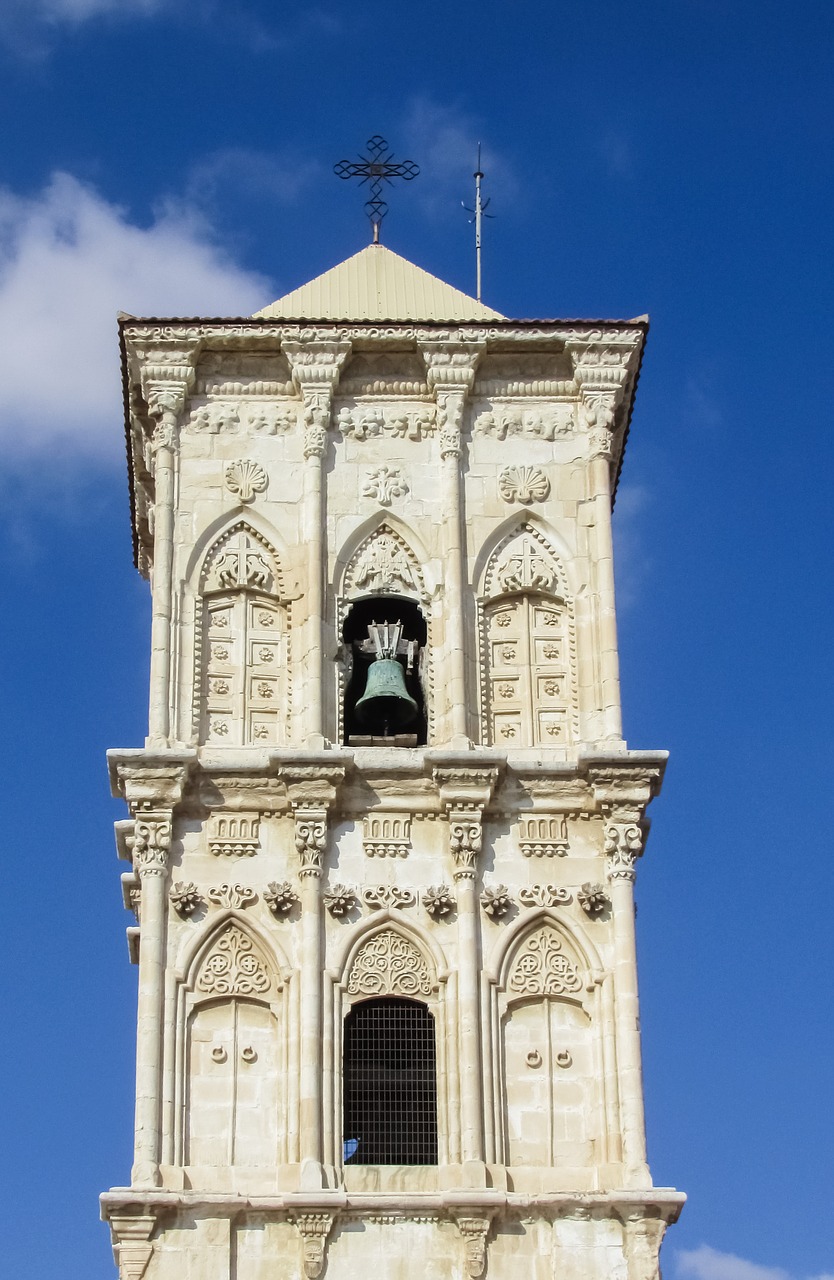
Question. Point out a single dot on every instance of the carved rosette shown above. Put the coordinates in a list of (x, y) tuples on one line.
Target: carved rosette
[(496, 901), (314, 1229), (340, 900), (185, 898), (151, 843), (280, 897), (439, 901), (623, 846), (592, 898)]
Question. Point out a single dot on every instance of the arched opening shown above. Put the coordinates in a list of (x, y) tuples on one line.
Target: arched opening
[(384, 706), (390, 1083)]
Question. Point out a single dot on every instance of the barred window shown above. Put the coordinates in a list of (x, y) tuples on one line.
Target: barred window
[(390, 1086)]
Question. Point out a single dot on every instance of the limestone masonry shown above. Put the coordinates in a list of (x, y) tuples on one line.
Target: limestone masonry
[(384, 829)]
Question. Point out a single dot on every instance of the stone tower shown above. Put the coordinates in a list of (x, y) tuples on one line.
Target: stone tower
[(384, 829)]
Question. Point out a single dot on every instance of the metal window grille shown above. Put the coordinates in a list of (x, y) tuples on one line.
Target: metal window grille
[(390, 1084)]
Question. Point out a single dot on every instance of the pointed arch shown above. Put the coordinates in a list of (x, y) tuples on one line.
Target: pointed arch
[(218, 528), (419, 945), (359, 572), (241, 641), (578, 950), (200, 948), (542, 532)]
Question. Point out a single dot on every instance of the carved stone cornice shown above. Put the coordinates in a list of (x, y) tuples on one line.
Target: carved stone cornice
[(150, 779), (630, 784), (602, 370), (316, 364)]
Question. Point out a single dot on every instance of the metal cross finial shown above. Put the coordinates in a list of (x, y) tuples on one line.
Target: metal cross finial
[(377, 167)]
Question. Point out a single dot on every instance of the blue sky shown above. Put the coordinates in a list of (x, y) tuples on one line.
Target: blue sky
[(672, 158)]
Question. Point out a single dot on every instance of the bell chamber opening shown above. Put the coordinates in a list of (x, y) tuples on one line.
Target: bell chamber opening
[(384, 638)]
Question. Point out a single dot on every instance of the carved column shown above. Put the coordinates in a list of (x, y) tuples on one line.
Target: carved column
[(623, 796), (315, 369), (151, 794), (167, 374), (451, 376), (311, 790), (602, 372), (464, 793)]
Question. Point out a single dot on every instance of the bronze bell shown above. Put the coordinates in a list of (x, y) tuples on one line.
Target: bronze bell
[(386, 701)]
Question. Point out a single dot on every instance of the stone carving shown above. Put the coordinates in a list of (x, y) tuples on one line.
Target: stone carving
[(385, 484), (592, 898), (384, 563), (185, 898), (542, 969), (232, 967), (272, 421), (524, 568), (599, 406), (235, 835), (543, 837), (534, 424), (496, 901), (280, 897), (465, 839), (474, 1231), (601, 443), (439, 901), (241, 558), (314, 1229), (371, 373), (340, 900), (151, 843), (367, 422), (316, 422), (245, 478), (214, 419), (623, 846), (388, 895), (543, 895), (523, 484), (135, 902), (387, 835), (310, 839), (132, 1243), (388, 964), (233, 896)]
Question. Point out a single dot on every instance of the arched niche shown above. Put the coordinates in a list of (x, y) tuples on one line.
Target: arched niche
[(242, 643), (529, 689)]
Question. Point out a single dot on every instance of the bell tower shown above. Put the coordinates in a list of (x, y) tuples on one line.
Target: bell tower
[(384, 830)]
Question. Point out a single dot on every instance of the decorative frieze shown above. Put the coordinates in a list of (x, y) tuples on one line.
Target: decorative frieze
[(234, 835), (502, 421), (235, 418), (543, 836), (388, 895), (366, 422), (544, 895), (386, 835), (233, 896)]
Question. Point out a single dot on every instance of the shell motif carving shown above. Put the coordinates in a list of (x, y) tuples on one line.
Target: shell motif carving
[(542, 968), (245, 478), (389, 965), (232, 967), (523, 484)]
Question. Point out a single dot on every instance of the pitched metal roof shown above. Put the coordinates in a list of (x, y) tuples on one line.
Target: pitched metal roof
[(377, 284)]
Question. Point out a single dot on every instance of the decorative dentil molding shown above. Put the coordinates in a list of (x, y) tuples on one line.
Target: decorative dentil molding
[(523, 484), (388, 895), (314, 1229), (340, 900), (388, 964), (233, 896), (439, 901), (592, 898), (185, 898), (544, 895), (234, 835), (232, 966), (496, 901), (501, 421), (541, 967), (280, 897), (386, 835), (245, 478), (385, 484), (543, 836)]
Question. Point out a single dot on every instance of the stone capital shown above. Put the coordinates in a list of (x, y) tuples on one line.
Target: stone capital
[(316, 365), (450, 366), (311, 791), (464, 793), (622, 845), (146, 780)]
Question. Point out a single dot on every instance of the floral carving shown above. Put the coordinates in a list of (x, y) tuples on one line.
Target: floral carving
[(542, 969), (280, 897), (496, 901), (310, 839), (340, 900), (385, 484), (439, 901), (185, 898), (623, 846), (465, 839), (151, 843), (245, 478), (364, 423), (543, 895), (234, 896), (388, 964), (388, 895), (503, 421), (383, 564), (271, 421), (232, 967), (592, 898), (523, 484)]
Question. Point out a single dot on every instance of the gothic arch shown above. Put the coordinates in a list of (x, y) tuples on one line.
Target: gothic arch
[(216, 530), (579, 952), (348, 561), (412, 934), (199, 948), (241, 683), (544, 534)]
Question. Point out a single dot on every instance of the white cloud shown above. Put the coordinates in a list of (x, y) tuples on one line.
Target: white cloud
[(632, 558), (446, 141), (706, 1263), (69, 262), (280, 177), (80, 10)]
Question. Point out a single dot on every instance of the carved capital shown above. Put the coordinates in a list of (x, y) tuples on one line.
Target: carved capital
[(310, 838), (623, 845), (474, 1230), (465, 839), (316, 364), (451, 366), (152, 842), (316, 422), (314, 1228), (450, 421), (464, 792)]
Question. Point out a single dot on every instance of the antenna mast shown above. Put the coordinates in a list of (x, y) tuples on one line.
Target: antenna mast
[(480, 213)]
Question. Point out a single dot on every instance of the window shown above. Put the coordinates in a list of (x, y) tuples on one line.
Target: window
[(390, 1085)]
